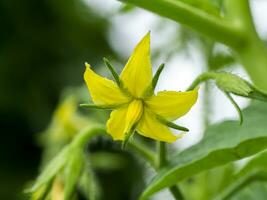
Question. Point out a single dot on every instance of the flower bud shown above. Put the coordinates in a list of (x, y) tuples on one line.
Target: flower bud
[(232, 83)]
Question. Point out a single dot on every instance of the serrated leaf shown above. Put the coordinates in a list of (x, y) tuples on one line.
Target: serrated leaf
[(223, 143)]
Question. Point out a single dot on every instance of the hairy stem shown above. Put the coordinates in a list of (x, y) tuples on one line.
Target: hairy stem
[(201, 21), (253, 55)]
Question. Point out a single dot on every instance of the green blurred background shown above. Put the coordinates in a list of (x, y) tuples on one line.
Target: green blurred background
[(43, 47)]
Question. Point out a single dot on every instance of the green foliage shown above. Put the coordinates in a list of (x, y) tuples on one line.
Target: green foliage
[(223, 143), (73, 171), (255, 171), (89, 184), (257, 190), (51, 170)]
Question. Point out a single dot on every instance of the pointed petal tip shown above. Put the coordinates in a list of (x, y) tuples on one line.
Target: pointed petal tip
[(147, 36), (176, 137), (87, 65), (145, 39)]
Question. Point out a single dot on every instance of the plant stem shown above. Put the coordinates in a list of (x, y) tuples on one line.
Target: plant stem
[(143, 151), (199, 20), (176, 192), (86, 134), (201, 78), (162, 161), (252, 55), (161, 154), (236, 29)]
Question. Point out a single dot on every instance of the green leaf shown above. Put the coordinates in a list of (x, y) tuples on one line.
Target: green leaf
[(256, 190), (241, 183), (72, 171), (255, 170), (223, 143), (257, 163)]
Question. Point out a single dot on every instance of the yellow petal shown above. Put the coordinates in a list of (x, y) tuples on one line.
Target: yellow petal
[(116, 123), (134, 113), (171, 104), (150, 127), (122, 120), (137, 73), (102, 90)]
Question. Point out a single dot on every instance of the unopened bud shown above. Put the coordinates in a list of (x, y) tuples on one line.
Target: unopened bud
[(232, 83)]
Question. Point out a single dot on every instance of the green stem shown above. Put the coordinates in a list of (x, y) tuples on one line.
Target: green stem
[(176, 192), (143, 151), (161, 154), (210, 25), (252, 55), (201, 78), (236, 29), (162, 161), (86, 134)]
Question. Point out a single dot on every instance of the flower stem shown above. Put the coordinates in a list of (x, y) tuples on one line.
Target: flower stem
[(201, 78), (143, 151), (161, 154), (253, 54), (86, 134), (162, 161)]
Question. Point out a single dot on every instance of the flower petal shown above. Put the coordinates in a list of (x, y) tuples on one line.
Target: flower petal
[(171, 104), (150, 127), (137, 73), (102, 90), (116, 123), (134, 113)]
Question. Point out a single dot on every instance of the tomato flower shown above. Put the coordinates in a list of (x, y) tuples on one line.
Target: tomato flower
[(135, 106)]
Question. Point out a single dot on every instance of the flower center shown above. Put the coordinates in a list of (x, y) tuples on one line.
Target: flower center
[(134, 113)]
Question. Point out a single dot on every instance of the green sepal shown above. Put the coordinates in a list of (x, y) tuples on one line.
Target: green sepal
[(239, 111), (150, 90), (156, 76), (127, 137), (171, 124), (113, 72), (257, 93)]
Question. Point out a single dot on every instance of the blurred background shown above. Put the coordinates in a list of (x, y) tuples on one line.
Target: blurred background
[(43, 47)]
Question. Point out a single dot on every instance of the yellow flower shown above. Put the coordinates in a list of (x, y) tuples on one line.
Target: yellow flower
[(135, 106)]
